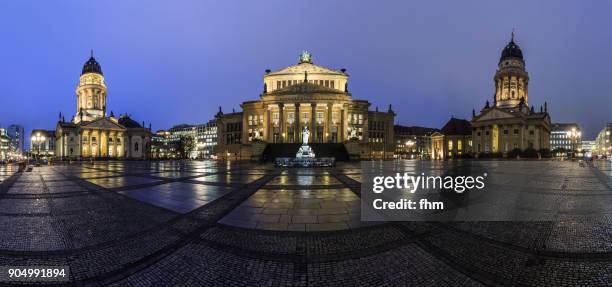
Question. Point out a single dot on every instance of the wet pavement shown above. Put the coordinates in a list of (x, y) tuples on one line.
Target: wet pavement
[(243, 224)]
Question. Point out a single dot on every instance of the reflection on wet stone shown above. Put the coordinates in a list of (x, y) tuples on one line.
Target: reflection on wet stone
[(252, 224)]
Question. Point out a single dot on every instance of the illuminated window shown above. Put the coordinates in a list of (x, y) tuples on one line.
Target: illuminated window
[(450, 145), (291, 117), (459, 144), (319, 117)]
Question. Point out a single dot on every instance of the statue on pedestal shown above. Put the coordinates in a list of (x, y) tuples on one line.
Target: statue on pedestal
[(305, 135), (305, 151)]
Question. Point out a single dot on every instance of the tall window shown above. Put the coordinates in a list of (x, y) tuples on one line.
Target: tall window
[(459, 145), (291, 117), (450, 145), (320, 117)]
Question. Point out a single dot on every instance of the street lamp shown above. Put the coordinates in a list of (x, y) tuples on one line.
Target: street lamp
[(38, 140), (574, 136)]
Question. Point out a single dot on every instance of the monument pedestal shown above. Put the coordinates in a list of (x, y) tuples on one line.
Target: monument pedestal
[(305, 151)]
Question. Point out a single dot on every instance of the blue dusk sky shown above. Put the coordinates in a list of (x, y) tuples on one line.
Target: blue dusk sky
[(172, 62)]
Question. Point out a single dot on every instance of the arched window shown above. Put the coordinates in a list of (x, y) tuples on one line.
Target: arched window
[(135, 146)]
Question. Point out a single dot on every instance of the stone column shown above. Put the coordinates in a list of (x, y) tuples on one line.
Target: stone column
[(107, 135), (79, 134), (98, 144), (90, 149), (127, 146), (343, 123), (297, 130), (120, 146), (313, 124), (329, 122), (281, 122), (268, 125)]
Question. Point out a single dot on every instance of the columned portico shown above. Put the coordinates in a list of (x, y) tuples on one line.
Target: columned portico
[(297, 97)]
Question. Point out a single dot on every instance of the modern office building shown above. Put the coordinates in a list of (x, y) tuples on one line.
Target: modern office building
[(305, 96), (5, 145), (91, 133), (161, 145), (198, 140), (565, 138), (510, 123), (603, 142), (454, 140), (413, 141), (42, 143), (17, 136), (206, 139)]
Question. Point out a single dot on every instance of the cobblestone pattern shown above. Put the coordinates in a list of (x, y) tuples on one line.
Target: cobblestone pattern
[(60, 216)]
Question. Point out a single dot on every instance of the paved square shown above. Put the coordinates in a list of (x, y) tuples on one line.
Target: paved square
[(245, 224)]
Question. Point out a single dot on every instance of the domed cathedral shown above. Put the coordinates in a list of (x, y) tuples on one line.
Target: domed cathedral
[(510, 124), (91, 133), (299, 97)]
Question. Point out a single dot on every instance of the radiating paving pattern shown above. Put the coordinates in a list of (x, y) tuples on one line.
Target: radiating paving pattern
[(243, 224)]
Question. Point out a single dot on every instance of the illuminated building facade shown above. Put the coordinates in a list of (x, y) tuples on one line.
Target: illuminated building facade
[(93, 134), (413, 142), (603, 142), (203, 138), (5, 145), (509, 124), (454, 140), (42, 143), (565, 137), (302, 96), (588, 147)]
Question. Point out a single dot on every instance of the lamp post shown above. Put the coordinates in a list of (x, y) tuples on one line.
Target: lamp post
[(38, 140), (410, 148), (574, 136)]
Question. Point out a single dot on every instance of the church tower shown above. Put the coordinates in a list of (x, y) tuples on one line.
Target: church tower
[(91, 92), (511, 78)]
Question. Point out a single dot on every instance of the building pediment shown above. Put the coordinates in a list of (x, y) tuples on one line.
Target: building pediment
[(494, 114), (103, 123)]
